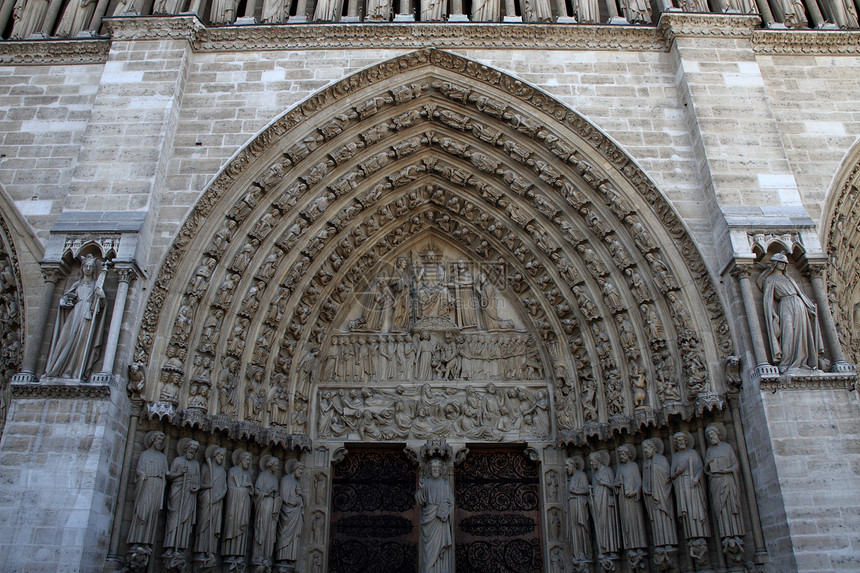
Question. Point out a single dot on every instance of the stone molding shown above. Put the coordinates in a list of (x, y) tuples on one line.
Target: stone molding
[(812, 42), (131, 28), (271, 436), (52, 52), (416, 36), (61, 391), (811, 381), (674, 25)]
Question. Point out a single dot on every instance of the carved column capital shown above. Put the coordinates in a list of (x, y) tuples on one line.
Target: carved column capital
[(54, 273), (815, 270), (126, 274), (741, 271)]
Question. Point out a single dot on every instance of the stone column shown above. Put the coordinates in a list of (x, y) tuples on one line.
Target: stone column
[(742, 273), (53, 273), (136, 409), (828, 328), (126, 276), (405, 14)]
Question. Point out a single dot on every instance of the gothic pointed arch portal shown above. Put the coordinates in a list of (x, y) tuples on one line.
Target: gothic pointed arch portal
[(288, 267)]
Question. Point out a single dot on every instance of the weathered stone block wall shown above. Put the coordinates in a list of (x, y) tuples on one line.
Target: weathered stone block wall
[(44, 112), (815, 100), (815, 436), (59, 472)]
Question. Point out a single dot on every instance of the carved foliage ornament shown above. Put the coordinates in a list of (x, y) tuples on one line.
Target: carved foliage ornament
[(11, 318)]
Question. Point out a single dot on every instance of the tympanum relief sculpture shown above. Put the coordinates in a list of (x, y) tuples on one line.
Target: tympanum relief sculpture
[(432, 351)]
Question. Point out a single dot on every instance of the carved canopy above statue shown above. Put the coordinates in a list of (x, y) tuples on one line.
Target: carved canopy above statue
[(289, 263)]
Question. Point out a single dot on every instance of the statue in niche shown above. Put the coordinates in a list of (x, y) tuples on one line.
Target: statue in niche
[(636, 11), (210, 502), (435, 497), (694, 6), (76, 18), (166, 6), (657, 488), (318, 527), (742, 6), (537, 11), (149, 480), (29, 16), (78, 330), (432, 295), (223, 12), (688, 478), (722, 469), (603, 509), (629, 484), (791, 319), (489, 304), (267, 506), (578, 527), (291, 520), (237, 511), (792, 13), (378, 11), (486, 11), (184, 478)]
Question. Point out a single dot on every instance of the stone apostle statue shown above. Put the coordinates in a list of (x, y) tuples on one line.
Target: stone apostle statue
[(237, 511), (791, 319), (578, 528), (184, 478), (78, 331), (657, 487), (603, 509), (267, 506), (688, 478), (291, 520), (210, 502), (629, 484), (721, 467), (76, 18), (149, 481), (436, 500)]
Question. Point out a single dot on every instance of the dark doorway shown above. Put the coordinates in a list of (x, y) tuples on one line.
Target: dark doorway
[(374, 519), (497, 512)]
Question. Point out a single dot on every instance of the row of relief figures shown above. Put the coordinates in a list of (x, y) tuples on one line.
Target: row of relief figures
[(685, 499), (214, 514), (485, 413), (427, 356)]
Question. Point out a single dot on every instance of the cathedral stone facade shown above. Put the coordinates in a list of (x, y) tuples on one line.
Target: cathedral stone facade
[(436, 286)]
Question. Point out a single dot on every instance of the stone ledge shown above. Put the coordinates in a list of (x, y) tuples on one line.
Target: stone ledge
[(771, 381), (51, 52), (234, 429), (812, 42), (61, 391)]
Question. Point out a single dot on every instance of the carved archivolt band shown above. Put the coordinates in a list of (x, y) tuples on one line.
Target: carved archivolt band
[(11, 317), (357, 173)]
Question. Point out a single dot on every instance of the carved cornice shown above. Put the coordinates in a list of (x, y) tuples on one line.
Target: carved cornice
[(61, 391), (674, 25), (811, 381), (178, 27), (52, 52), (812, 42), (411, 36), (219, 425)]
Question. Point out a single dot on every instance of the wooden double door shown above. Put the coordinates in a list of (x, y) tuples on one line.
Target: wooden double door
[(375, 524)]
